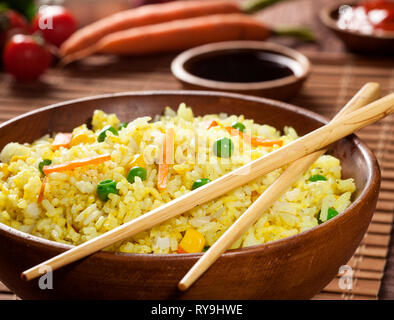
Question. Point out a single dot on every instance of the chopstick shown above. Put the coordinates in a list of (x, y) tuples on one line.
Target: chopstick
[(299, 148), (368, 93)]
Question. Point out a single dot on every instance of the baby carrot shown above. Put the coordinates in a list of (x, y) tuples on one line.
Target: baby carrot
[(154, 14), (61, 140), (167, 159), (76, 164)]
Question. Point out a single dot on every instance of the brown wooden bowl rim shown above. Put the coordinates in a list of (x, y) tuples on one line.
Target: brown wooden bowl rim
[(372, 183), (328, 21), (179, 71)]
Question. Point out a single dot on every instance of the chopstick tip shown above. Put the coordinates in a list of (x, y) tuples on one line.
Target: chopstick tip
[(24, 276), (182, 286)]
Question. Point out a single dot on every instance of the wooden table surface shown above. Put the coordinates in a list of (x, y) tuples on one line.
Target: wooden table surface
[(107, 74)]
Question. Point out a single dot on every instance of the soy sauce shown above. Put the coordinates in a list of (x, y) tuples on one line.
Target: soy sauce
[(243, 66)]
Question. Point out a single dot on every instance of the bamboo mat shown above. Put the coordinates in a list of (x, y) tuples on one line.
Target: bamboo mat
[(333, 83), (334, 79)]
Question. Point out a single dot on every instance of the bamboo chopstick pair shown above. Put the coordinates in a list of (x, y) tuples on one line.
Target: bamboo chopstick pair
[(367, 94), (307, 146)]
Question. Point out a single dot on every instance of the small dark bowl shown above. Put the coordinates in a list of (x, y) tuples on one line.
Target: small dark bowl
[(297, 267), (382, 44), (281, 89)]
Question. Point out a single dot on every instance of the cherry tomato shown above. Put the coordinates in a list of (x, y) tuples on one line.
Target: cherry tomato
[(382, 12), (11, 22), (26, 57), (55, 23)]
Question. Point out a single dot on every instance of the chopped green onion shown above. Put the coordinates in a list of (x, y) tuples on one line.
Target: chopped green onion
[(123, 125), (330, 214), (199, 183), (239, 126), (42, 164), (103, 133), (317, 177)]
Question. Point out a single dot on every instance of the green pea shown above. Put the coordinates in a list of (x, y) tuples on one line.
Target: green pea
[(205, 249), (123, 125), (136, 172), (223, 148), (330, 214), (199, 183), (43, 163), (103, 133), (104, 188), (239, 126), (317, 177)]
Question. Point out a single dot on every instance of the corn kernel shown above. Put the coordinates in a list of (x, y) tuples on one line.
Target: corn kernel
[(192, 242), (181, 168), (81, 138), (4, 170), (16, 158), (138, 160)]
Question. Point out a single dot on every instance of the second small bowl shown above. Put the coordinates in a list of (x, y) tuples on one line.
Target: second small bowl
[(381, 44), (249, 67)]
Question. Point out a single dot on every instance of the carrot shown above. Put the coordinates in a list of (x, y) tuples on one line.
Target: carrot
[(176, 35), (76, 164), (42, 190), (155, 14), (61, 140), (214, 123), (258, 141), (142, 16), (253, 140), (181, 250), (162, 178), (167, 159)]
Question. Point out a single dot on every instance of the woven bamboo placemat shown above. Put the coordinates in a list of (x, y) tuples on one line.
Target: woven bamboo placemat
[(334, 79)]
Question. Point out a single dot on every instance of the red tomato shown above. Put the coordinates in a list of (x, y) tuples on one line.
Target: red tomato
[(11, 22), (383, 9), (55, 23), (26, 57)]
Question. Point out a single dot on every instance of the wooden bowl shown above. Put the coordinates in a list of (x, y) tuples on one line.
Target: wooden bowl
[(297, 267), (282, 89), (382, 44)]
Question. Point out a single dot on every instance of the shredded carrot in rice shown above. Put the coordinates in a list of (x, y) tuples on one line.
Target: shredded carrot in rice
[(214, 123), (42, 190), (253, 140), (167, 159), (76, 164)]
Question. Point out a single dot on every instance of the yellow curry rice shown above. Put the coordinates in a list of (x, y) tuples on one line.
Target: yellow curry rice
[(71, 211)]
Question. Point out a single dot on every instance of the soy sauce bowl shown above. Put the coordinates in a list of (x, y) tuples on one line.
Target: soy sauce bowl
[(380, 44), (249, 67)]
